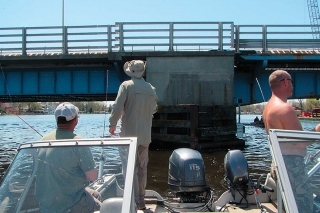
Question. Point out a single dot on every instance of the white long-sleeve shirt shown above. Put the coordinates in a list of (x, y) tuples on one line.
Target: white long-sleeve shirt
[(135, 105)]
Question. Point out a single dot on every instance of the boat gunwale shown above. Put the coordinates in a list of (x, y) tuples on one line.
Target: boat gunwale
[(78, 142)]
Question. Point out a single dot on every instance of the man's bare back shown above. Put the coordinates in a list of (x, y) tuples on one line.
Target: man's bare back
[(280, 115)]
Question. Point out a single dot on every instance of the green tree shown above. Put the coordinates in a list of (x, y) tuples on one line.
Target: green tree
[(3, 109), (81, 106), (32, 106), (247, 108), (301, 104), (94, 107), (311, 103), (110, 108)]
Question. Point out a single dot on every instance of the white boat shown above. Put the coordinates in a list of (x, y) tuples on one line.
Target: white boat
[(188, 189)]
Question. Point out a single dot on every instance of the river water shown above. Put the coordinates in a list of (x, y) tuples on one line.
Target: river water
[(14, 130)]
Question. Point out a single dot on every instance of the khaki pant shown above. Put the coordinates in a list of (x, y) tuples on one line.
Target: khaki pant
[(140, 176), (140, 173)]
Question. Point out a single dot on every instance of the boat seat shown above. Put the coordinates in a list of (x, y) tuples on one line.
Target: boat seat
[(113, 205)]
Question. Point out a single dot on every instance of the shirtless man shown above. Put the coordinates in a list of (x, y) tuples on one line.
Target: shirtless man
[(278, 114)]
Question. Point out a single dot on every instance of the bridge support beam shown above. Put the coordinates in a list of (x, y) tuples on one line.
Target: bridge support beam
[(186, 83)]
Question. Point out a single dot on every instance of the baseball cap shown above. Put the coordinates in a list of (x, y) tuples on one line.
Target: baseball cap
[(67, 110)]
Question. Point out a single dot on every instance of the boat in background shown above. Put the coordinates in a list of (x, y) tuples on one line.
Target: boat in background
[(188, 189), (314, 115), (257, 122)]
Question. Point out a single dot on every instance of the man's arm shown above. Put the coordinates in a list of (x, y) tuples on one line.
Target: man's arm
[(117, 108), (155, 101), (291, 122), (87, 163), (92, 175), (317, 128), (155, 106), (112, 129), (289, 118)]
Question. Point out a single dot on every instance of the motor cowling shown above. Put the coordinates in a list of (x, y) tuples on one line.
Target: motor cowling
[(186, 171), (236, 168)]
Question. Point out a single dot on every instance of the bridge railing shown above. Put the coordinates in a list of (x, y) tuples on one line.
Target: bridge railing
[(60, 40), (275, 37), (156, 36), (174, 36)]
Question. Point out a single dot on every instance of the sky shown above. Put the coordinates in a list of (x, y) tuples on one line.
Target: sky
[(43, 13)]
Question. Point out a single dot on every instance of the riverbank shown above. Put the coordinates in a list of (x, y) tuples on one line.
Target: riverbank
[(310, 119)]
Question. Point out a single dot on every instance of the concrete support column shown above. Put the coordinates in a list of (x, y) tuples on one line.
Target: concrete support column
[(205, 81)]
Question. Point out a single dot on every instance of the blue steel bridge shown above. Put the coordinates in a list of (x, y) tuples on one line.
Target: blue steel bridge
[(84, 63)]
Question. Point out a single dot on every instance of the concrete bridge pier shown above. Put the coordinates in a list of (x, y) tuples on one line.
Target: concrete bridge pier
[(196, 101)]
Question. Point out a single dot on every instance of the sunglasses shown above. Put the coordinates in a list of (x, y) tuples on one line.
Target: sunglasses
[(287, 79)]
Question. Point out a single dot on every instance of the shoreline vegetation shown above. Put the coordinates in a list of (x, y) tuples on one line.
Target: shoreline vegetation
[(47, 113), (45, 108), (315, 119)]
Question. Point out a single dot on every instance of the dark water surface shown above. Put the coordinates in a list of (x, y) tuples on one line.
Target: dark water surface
[(14, 131)]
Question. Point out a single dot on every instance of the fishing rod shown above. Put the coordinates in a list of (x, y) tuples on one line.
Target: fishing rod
[(260, 90), (105, 114), (8, 109), (102, 158)]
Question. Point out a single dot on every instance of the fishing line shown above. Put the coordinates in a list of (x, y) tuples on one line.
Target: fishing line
[(7, 108), (260, 90), (105, 113)]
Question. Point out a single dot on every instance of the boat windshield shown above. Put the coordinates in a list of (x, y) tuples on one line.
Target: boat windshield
[(44, 175), (296, 155)]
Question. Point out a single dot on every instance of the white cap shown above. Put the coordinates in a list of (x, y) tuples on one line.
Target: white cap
[(67, 110)]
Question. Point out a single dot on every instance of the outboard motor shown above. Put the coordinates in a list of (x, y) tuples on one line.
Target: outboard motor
[(236, 171), (186, 174)]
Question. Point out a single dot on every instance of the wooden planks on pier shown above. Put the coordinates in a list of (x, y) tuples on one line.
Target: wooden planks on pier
[(194, 126)]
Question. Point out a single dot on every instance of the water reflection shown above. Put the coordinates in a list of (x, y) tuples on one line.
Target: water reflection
[(13, 131)]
